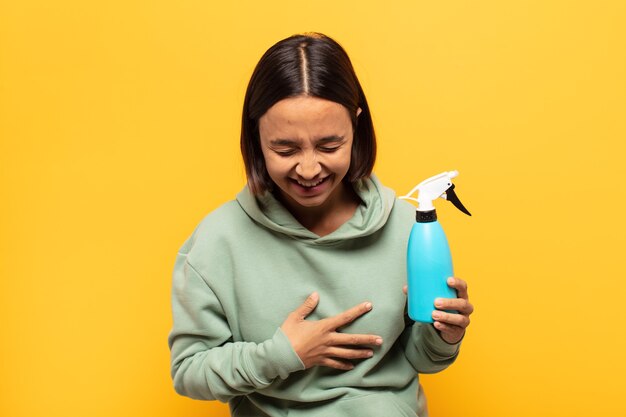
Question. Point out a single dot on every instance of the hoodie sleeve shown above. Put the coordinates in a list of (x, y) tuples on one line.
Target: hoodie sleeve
[(205, 363), (426, 350)]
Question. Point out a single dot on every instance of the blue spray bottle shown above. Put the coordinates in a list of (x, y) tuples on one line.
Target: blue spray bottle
[(429, 263)]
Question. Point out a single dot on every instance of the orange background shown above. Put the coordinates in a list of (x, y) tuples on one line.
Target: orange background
[(119, 126)]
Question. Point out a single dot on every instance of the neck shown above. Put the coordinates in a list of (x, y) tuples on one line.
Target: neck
[(328, 217)]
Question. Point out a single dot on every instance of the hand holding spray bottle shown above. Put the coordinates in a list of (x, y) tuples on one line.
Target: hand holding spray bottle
[(429, 263)]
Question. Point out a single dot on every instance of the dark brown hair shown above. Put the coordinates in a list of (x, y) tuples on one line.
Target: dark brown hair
[(311, 64)]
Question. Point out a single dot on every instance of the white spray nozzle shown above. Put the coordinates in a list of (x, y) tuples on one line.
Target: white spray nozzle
[(434, 188)]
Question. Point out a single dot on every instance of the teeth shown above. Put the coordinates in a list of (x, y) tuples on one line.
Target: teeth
[(312, 184)]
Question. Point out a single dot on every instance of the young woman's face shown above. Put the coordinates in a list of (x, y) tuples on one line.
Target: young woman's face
[(307, 144)]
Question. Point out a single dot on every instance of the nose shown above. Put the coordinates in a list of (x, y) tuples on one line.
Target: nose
[(308, 167)]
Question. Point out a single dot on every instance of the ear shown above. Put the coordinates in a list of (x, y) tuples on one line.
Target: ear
[(358, 111)]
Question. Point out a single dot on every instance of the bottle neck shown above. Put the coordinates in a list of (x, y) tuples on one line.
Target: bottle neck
[(426, 216)]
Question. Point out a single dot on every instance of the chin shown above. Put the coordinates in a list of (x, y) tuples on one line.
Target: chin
[(310, 203)]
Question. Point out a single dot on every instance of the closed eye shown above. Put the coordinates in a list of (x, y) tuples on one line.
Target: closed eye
[(329, 149), (288, 152)]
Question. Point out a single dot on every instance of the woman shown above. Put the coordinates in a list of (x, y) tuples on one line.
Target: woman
[(289, 300)]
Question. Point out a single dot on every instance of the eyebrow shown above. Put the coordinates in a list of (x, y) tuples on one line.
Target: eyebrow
[(292, 142)]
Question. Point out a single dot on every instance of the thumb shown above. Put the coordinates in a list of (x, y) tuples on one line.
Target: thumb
[(308, 306)]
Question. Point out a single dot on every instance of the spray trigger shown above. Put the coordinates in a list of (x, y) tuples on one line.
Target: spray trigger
[(454, 199)]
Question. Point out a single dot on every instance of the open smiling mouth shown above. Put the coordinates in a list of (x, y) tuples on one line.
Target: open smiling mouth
[(310, 184)]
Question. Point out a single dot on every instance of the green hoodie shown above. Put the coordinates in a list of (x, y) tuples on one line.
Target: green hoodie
[(250, 263)]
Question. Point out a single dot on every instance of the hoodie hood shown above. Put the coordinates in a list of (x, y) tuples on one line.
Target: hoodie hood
[(372, 214)]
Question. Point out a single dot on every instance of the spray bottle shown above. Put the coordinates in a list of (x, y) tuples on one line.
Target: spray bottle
[(429, 263)]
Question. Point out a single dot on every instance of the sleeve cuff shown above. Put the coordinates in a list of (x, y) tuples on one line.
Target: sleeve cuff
[(280, 358), (287, 358)]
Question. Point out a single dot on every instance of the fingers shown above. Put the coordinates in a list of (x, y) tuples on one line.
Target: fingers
[(460, 286), (453, 319), (452, 325), (338, 357), (346, 339), (308, 306), (449, 333), (349, 315), (459, 304), (405, 289), (337, 364), (345, 353)]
